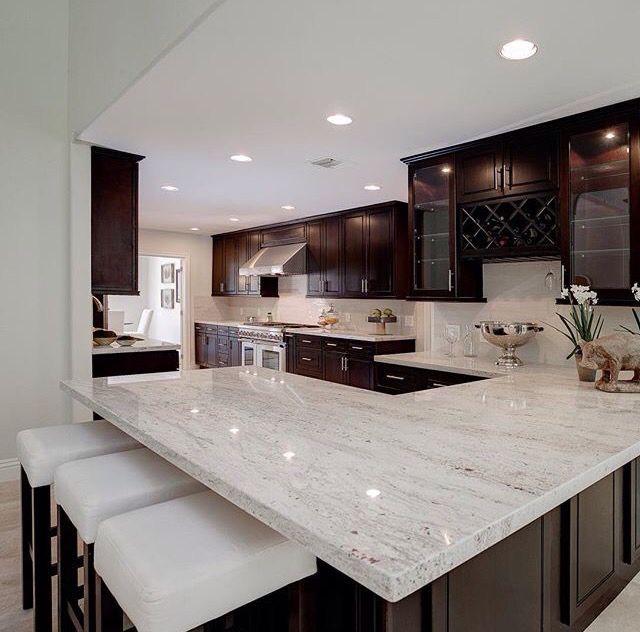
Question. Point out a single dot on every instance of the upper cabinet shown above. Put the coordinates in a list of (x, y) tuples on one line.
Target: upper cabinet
[(114, 221), (324, 257), (601, 202), (374, 261)]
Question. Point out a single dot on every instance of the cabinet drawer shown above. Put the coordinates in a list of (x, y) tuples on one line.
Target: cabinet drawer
[(223, 331), (199, 327), (356, 347), (309, 361), (233, 332), (223, 343), (398, 379), (308, 341), (335, 344), (211, 329), (438, 379)]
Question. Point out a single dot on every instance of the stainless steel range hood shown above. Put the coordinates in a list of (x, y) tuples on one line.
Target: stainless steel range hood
[(276, 261)]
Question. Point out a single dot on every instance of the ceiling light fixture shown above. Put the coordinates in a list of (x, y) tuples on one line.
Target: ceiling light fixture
[(169, 187), (234, 219), (241, 158), (194, 228), (609, 135), (339, 119), (288, 207), (446, 170), (518, 49), (372, 187)]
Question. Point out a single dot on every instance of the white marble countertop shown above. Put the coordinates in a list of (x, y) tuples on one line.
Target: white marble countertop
[(137, 347), (221, 323), (351, 334), (394, 491)]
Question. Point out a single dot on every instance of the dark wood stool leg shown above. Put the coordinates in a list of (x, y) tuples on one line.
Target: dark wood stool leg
[(89, 588), (26, 507), (41, 543), (67, 571), (108, 613)]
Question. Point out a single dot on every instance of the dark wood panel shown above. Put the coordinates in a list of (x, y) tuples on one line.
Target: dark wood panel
[(334, 367), (242, 255), (110, 364), (480, 174), (230, 257), (218, 273), (253, 244), (308, 361), (284, 235), (332, 257), (114, 222), (360, 372), (354, 258), (211, 346), (531, 163), (380, 247), (315, 279)]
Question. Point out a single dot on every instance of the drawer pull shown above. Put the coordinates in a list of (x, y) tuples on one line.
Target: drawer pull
[(306, 359), (357, 348), (331, 344), (306, 341), (438, 384), (395, 377)]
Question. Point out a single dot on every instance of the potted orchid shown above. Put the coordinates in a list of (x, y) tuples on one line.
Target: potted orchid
[(636, 294), (581, 325)]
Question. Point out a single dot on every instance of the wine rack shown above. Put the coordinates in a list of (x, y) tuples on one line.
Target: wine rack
[(511, 227)]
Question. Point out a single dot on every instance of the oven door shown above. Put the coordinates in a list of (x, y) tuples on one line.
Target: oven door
[(249, 353), (272, 356)]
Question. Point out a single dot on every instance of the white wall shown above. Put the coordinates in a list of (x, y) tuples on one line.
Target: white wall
[(34, 218), (516, 291), (113, 43)]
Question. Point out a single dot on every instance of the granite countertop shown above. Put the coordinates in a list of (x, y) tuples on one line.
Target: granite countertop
[(394, 491), (351, 335), (138, 347), (221, 323)]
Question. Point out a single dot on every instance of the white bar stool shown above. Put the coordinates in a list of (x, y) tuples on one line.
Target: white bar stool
[(90, 491), (40, 451), (204, 559)]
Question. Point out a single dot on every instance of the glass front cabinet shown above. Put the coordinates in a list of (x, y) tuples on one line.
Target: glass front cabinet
[(435, 271), (601, 206)]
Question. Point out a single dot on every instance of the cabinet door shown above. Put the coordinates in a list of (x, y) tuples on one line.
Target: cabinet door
[(530, 163), (217, 275), (432, 220), (114, 222), (201, 348), (360, 372), (230, 254), (315, 280), (332, 257), (212, 355), (480, 173), (334, 367), (253, 245), (242, 249), (235, 352), (354, 258), (380, 253)]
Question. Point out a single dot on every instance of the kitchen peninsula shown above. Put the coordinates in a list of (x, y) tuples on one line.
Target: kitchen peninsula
[(504, 504), (144, 356)]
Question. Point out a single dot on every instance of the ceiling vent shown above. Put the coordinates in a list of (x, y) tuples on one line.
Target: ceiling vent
[(327, 163)]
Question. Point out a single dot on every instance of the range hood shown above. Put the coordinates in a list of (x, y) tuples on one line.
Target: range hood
[(276, 261)]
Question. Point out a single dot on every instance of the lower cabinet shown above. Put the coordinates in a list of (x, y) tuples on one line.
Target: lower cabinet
[(396, 380), (341, 360), (217, 346)]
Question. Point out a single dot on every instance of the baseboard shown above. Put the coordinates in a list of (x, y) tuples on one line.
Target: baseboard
[(9, 470)]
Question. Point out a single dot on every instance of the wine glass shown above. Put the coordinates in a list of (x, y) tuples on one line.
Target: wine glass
[(451, 335)]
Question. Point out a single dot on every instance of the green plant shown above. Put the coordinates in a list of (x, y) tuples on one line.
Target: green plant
[(581, 325)]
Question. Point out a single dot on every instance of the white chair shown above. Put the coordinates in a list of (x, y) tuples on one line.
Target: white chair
[(92, 490), (143, 324), (205, 559), (40, 452)]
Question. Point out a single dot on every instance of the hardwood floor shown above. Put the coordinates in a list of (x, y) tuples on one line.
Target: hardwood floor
[(621, 616)]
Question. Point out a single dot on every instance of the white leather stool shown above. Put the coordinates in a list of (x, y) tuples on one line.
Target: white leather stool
[(91, 490), (40, 451), (183, 563)]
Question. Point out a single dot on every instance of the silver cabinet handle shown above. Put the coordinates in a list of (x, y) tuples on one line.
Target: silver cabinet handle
[(306, 341), (346, 363), (362, 286), (222, 287), (366, 286), (562, 273), (342, 363), (395, 377), (357, 348), (450, 280), (307, 359), (331, 344)]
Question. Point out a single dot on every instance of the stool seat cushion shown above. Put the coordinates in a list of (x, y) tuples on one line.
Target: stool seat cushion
[(42, 450), (91, 490), (179, 564)]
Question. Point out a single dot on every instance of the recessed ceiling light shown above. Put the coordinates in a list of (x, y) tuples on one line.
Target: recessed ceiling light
[(372, 187), (234, 219), (169, 187), (288, 207), (609, 135), (518, 49), (241, 158), (446, 170), (339, 119), (194, 228)]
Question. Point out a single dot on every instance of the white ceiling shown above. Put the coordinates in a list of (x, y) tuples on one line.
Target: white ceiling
[(260, 77)]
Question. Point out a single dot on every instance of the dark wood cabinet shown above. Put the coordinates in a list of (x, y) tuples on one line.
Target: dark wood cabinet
[(359, 370), (373, 242), (253, 245), (230, 258), (211, 342), (114, 221), (530, 163), (218, 271), (286, 234), (324, 257), (480, 173), (395, 379), (217, 346), (243, 285), (201, 345), (334, 367)]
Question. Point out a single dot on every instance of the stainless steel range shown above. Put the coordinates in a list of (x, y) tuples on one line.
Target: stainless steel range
[(263, 344)]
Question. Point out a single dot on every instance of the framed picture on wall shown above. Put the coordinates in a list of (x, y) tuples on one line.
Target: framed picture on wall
[(178, 277), (168, 273), (167, 298)]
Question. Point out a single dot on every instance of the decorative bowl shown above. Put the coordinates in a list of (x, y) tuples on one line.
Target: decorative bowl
[(508, 336), (104, 342), (127, 341), (104, 337)]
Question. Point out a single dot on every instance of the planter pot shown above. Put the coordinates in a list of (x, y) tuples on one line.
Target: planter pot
[(584, 374)]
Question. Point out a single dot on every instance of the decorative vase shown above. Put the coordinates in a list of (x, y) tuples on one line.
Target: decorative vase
[(584, 374)]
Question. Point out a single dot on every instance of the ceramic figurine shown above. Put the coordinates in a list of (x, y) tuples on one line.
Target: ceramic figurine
[(612, 354)]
